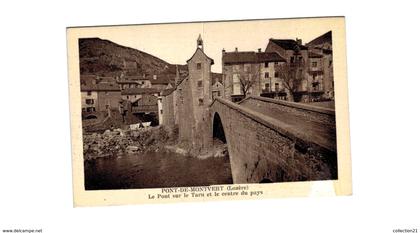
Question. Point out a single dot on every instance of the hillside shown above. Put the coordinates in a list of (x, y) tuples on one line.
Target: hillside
[(106, 58)]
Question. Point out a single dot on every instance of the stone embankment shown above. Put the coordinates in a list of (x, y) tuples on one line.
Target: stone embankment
[(120, 142)]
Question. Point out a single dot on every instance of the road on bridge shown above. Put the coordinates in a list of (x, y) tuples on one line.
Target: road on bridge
[(320, 133)]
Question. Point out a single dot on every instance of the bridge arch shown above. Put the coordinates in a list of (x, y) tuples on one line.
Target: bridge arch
[(218, 131)]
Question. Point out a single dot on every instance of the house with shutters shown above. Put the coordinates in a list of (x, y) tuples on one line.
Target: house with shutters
[(250, 73)]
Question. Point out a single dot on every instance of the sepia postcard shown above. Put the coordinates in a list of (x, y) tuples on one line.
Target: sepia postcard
[(202, 111)]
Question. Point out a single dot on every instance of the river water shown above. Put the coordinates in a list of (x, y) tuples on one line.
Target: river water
[(155, 170)]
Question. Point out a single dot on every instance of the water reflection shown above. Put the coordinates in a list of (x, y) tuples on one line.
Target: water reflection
[(155, 170)]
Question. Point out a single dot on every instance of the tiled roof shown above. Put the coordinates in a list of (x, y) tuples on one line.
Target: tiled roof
[(163, 79), (107, 79), (134, 78), (128, 82), (269, 57), (134, 91), (239, 57), (288, 44), (167, 91), (88, 79), (251, 57), (100, 87), (211, 60), (182, 77), (324, 38)]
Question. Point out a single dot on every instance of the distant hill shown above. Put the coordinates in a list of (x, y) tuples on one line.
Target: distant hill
[(106, 58)]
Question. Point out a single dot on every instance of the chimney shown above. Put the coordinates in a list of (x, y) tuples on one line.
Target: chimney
[(259, 50), (236, 49), (223, 51), (299, 41)]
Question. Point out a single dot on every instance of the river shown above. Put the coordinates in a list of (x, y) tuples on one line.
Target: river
[(155, 170)]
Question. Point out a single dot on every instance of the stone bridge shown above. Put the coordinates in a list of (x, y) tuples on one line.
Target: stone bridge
[(274, 141)]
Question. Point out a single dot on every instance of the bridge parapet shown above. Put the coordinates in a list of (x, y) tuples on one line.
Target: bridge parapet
[(312, 113), (264, 148)]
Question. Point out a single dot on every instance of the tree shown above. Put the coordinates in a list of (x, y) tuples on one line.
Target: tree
[(248, 77), (291, 73)]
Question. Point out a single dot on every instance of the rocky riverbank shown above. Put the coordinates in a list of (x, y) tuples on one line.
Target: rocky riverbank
[(120, 142)]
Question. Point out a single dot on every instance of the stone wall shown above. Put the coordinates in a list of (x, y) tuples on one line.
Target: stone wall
[(261, 148), (168, 117)]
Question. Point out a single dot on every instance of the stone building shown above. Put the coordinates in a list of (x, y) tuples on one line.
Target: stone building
[(133, 94), (315, 76), (322, 45), (135, 81), (217, 87), (162, 81), (297, 58), (167, 113), (191, 99), (98, 97), (253, 72), (313, 61)]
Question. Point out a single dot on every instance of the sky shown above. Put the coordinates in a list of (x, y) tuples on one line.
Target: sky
[(176, 43)]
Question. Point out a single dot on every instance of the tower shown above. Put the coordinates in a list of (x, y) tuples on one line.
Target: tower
[(200, 43), (199, 69), (198, 89)]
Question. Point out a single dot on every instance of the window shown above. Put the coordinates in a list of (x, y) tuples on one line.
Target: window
[(292, 59), (267, 86), (266, 64), (235, 78), (90, 109), (277, 86), (200, 101), (161, 111), (276, 63), (90, 101), (83, 109), (198, 66), (236, 89), (266, 75), (314, 64), (127, 97), (276, 74), (315, 86), (330, 63), (199, 83), (89, 93)]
